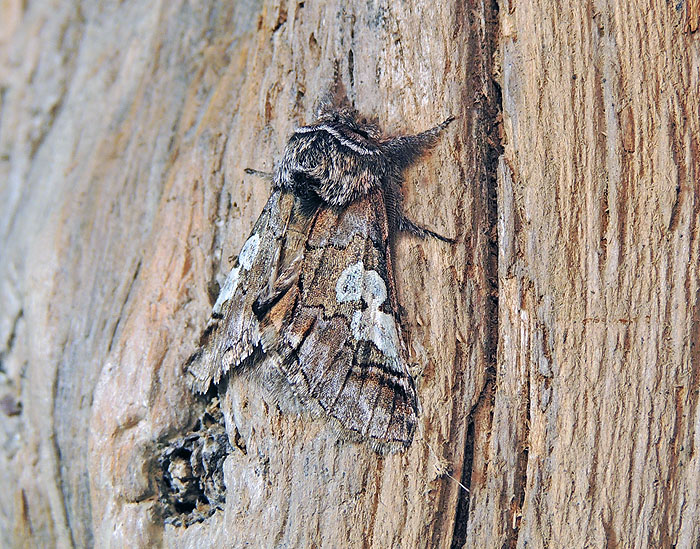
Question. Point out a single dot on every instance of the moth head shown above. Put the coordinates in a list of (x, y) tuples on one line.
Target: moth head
[(339, 112), (342, 156), (337, 159)]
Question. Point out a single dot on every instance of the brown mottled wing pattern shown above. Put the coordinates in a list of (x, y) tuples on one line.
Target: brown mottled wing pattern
[(311, 299), (232, 334), (334, 334)]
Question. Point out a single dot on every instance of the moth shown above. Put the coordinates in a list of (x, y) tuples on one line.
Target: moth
[(311, 296)]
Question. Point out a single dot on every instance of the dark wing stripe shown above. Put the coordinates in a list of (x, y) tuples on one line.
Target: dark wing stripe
[(330, 364), (373, 407), (342, 387)]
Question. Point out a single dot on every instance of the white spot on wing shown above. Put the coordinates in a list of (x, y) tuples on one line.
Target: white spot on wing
[(378, 327), (249, 251), (245, 262), (374, 289), (350, 283), (227, 290), (370, 324)]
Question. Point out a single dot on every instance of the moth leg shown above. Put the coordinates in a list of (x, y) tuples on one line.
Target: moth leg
[(407, 149), (400, 222), (405, 224)]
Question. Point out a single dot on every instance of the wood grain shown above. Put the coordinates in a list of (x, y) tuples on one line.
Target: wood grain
[(596, 412)]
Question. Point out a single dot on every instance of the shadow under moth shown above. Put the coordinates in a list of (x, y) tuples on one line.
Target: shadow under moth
[(311, 298)]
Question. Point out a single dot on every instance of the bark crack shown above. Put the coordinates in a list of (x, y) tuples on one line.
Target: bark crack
[(10, 342), (486, 103), (123, 305)]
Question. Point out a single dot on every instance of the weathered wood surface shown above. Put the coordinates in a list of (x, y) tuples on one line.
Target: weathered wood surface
[(596, 421), (124, 131)]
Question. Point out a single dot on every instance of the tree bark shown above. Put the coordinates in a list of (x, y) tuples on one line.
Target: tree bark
[(554, 347), (596, 415)]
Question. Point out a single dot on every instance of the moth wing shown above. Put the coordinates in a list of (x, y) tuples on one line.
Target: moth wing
[(232, 334), (338, 337)]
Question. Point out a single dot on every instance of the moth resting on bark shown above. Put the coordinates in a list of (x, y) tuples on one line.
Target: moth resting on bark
[(311, 297)]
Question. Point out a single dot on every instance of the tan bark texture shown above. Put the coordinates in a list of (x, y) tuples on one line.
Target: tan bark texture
[(555, 346), (596, 424)]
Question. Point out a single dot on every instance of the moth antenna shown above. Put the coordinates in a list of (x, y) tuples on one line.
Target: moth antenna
[(399, 220), (267, 176), (407, 149)]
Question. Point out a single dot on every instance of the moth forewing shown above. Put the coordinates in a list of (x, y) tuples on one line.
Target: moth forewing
[(338, 339), (233, 333)]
